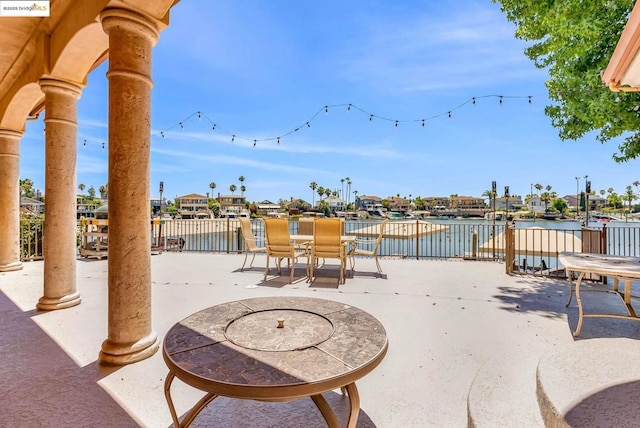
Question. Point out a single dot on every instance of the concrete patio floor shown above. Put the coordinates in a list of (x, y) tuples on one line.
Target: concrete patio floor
[(463, 337)]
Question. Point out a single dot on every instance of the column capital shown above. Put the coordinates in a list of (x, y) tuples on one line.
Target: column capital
[(51, 84), (118, 17), (10, 133)]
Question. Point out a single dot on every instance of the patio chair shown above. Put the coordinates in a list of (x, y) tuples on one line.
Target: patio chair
[(279, 245), (305, 225), (327, 244), (250, 242), (372, 247)]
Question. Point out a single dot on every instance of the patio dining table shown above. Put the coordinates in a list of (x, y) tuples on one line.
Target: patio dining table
[(620, 268)]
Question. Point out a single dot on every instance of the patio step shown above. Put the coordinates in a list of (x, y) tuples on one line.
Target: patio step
[(503, 394), (595, 382)]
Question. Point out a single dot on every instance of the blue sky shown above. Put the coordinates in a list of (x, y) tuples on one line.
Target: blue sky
[(260, 69)]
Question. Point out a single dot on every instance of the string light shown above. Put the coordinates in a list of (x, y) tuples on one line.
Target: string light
[(84, 144), (103, 146), (396, 121)]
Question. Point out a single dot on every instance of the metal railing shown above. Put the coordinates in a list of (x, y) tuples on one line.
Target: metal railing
[(531, 251)]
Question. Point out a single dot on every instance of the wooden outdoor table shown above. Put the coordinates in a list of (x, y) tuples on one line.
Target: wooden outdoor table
[(274, 349), (619, 268)]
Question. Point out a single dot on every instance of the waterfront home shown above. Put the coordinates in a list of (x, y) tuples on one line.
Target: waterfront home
[(468, 205), (267, 207), (335, 203), (232, 203), (398, 204), (296, 206), (192, 206), (368, 203), (30, 206), (512, 203)]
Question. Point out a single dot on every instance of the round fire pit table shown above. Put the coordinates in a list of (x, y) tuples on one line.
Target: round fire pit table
[(274, 349)]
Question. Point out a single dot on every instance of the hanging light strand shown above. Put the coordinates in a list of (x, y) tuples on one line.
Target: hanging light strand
[(348, 107)]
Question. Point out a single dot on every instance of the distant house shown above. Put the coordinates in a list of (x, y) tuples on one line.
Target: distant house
[(595, 201), (265, 207), (436, 203), (30, 206), (335, 203), (368, 203), (296, 206), (512, 203), (536, 204), (85, 209), (193, 206), (234, 204), (398, 204)]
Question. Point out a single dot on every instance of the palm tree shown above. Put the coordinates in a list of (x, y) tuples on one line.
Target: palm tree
[(602, 192), (320, 192), (355, 196), (313, 187), (212, 185), (348, 190), (629, 196), (242, 189), (241, 180), (538, 187), (327, 192), (81, 187), (232, 188), (101, 189), (342, 181), (26, 188)]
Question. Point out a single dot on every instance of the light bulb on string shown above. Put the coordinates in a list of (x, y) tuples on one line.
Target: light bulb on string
[(254, 142), (473, 100), (423, 123), (349, 107), (84, 144), (162, 134), (326, 109), (396, 123), (233, 138), (103, 146), (278, 140), (213, 128), (500, 100), (449, 113), (199, 116), (529, 99), (181, 125), (370, 118), (308, 125)]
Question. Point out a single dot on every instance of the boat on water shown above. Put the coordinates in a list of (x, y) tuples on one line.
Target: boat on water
[(604, 218), (551, 216)]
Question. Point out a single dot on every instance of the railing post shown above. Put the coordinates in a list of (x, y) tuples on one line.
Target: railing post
[(228, 235), (474, 244), (417, 239)]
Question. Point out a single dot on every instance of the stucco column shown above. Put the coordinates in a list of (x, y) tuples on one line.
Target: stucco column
[(9, 200), (131, 39), (59, 239)]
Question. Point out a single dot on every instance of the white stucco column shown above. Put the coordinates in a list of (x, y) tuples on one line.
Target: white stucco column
[(130, 335), (60, 224), (9, 200)]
